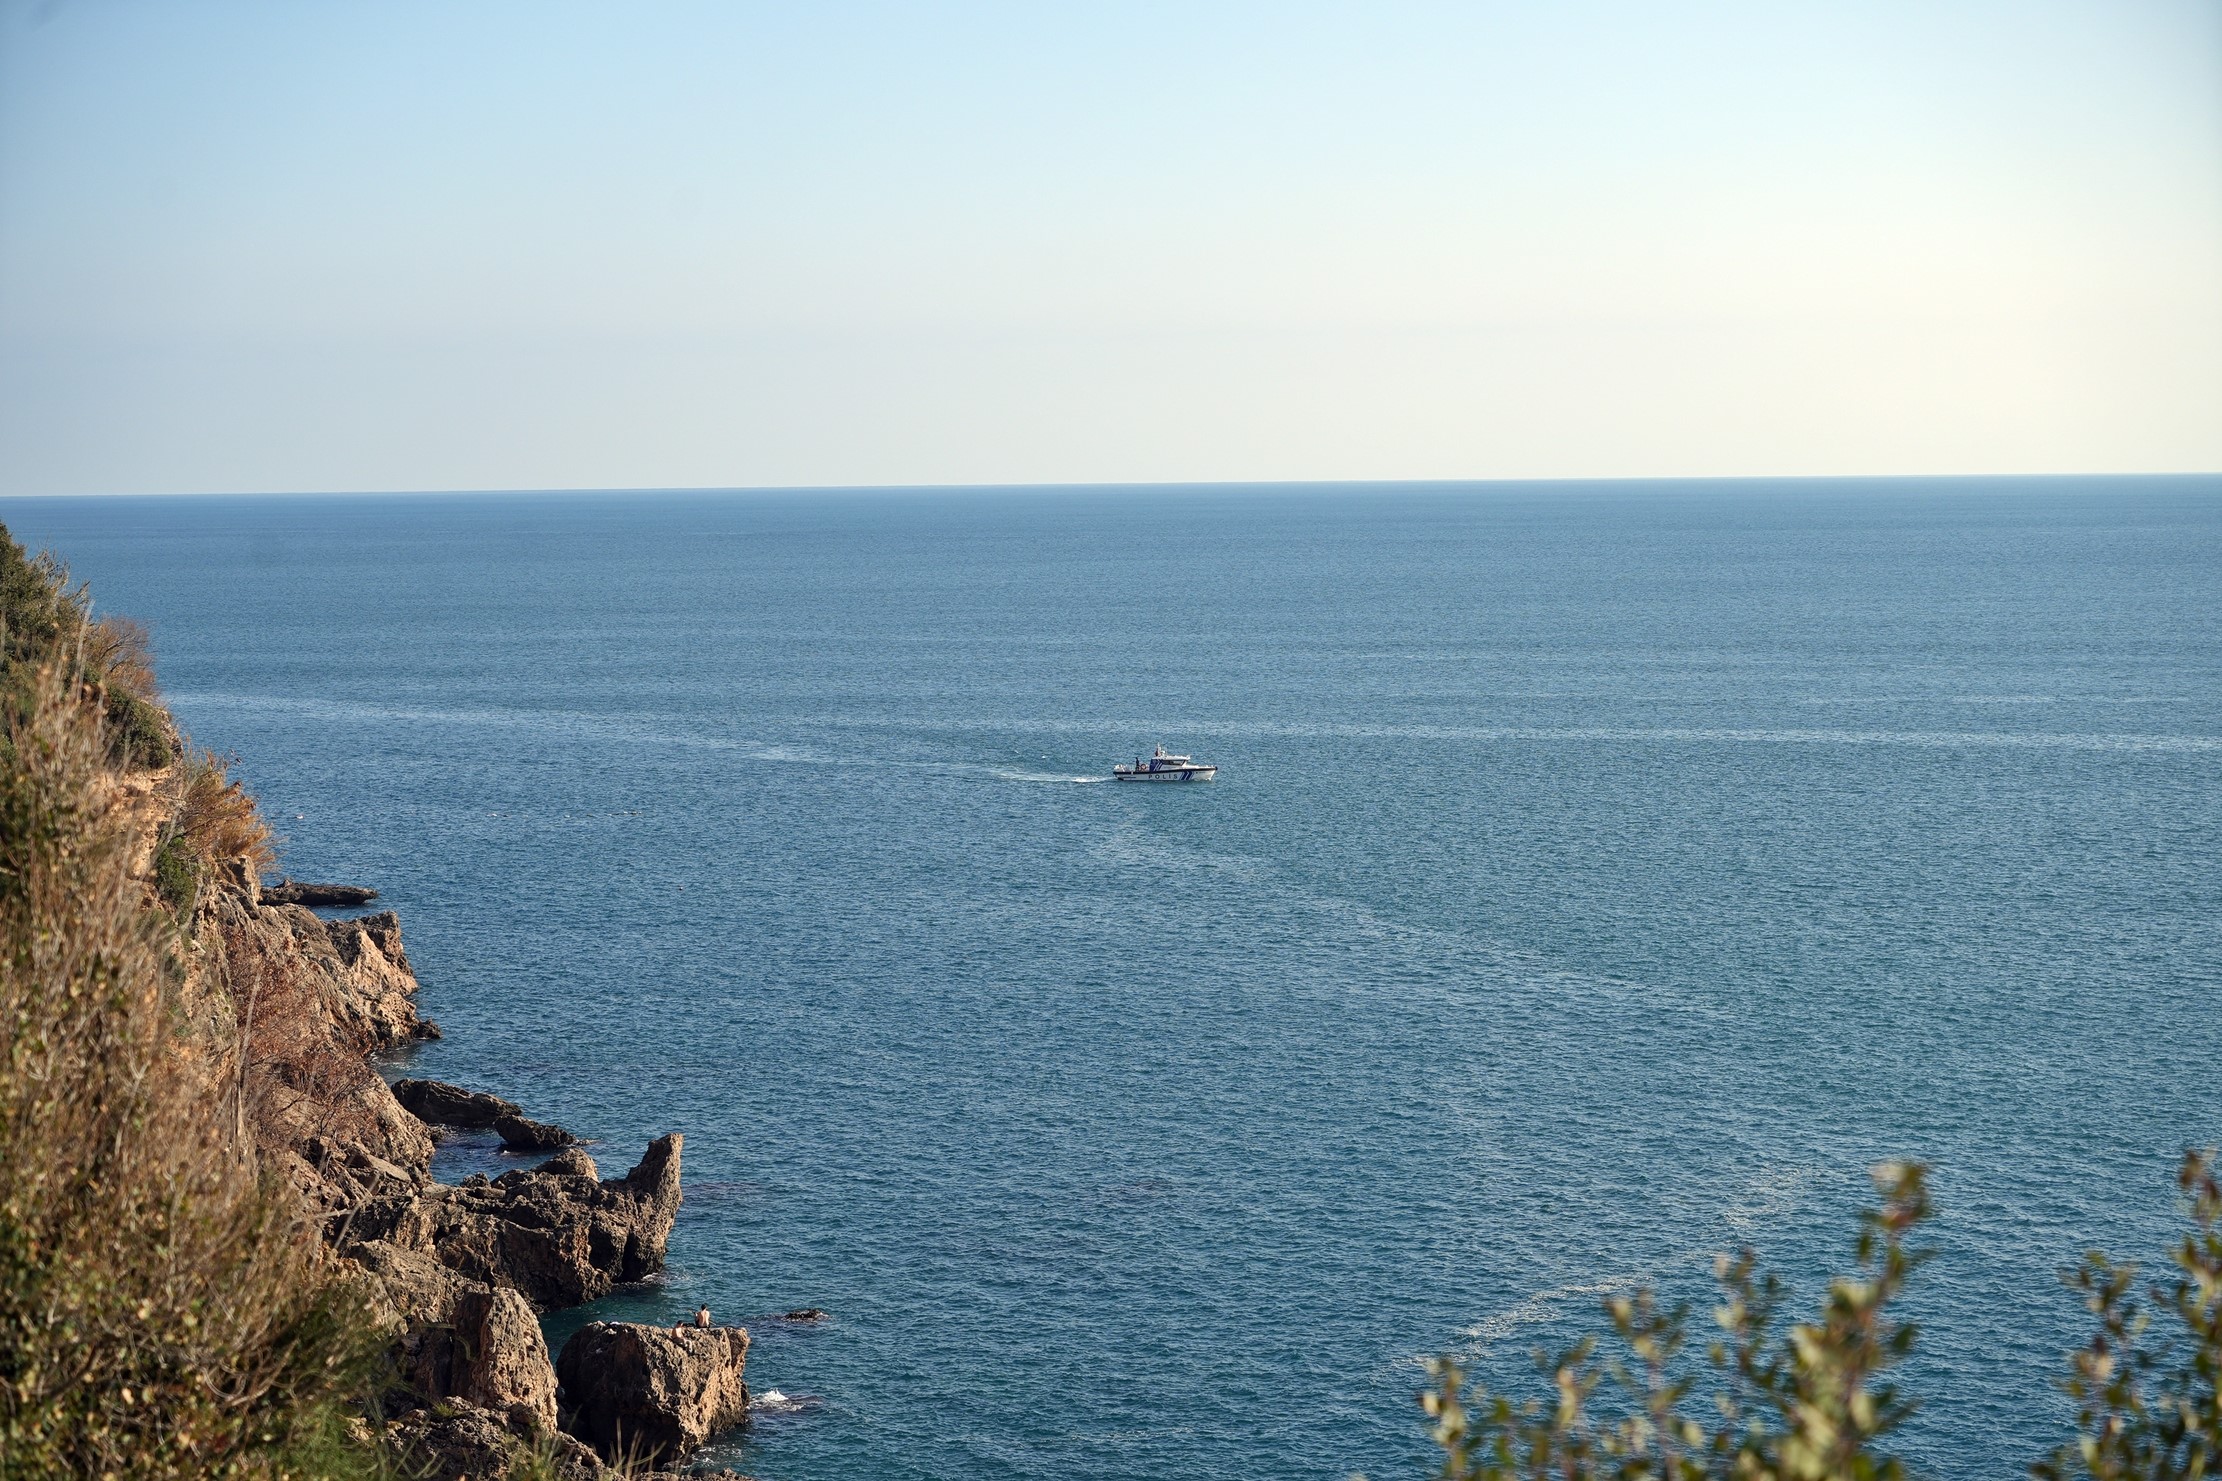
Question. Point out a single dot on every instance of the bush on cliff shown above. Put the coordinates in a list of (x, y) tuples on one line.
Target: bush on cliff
[(1813, 1404), (45, 621), (213, 825), (164, 1312)]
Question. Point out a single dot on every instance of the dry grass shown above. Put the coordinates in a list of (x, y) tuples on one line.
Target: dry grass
[(162, 1312), (216, 818), (118, 654), (214, 831), (296, 1077)]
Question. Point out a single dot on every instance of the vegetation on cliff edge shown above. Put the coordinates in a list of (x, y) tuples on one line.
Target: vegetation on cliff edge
[(164, 1311), (44, 621)]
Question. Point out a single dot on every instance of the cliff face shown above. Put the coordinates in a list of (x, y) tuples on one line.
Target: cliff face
[(288, 1008), (298, 1005)]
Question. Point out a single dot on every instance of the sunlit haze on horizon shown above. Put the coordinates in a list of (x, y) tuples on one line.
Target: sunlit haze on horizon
[(249, 247)]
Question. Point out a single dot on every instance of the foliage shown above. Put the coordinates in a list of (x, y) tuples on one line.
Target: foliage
[(2150, 1411), (34, 605), (163, 1311), (177, 876), (215, 818), (1813, 1405), (139, 731), (1808, 1406), (45, 621)]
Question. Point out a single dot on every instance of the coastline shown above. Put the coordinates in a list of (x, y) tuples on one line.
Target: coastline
[(462, 1273), (195, 1111)]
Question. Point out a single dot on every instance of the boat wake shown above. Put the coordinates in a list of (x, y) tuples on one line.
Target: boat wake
[(1539, 1308)]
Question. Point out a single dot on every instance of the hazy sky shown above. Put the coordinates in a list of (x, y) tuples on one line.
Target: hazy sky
[(409, 246)]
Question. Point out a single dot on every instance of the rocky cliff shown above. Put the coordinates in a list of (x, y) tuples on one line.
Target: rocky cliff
[(290, 1009), (213, 1207)]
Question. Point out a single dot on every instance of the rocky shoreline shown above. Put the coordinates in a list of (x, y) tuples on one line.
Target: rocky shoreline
[(460, 1274), (225, 1248)]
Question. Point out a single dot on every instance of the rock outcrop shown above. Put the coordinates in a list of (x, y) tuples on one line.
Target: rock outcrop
[(457, 1438), (556, 1232), (437, 1103), (652, 1393), (291, 891), (351, 1186), (462, 1339), (461, 1272), (521, 1134), (304, 1003), (370, 990), (273, 1015)]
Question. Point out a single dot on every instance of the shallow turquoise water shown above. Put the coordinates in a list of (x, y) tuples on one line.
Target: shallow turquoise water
[(1597, 878)]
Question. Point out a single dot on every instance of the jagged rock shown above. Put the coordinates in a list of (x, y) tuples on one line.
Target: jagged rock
[(805, 1314), (340, 1179), (439, 1104), (556, 1233), (459, 1338), (306, 1014), (370, 990), (456, 1438), (521, 1135), (653, 1392), (401, 1219), (341, 1138), (291, 891), (575, 1162), (385, 987)]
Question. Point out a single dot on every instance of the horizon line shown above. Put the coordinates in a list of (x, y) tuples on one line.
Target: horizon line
[(1104, 485)]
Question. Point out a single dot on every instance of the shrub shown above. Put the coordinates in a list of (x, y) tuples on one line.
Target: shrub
[(141, 737), (177, 877), (34, 603), (2144, 1410), (216, 818), (115, 649), (1806, 1406), (1812, 1406)]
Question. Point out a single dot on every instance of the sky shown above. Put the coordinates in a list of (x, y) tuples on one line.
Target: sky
[(408, 246)]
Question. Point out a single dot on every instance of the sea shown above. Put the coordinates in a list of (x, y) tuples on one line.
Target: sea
[(1598, 877)]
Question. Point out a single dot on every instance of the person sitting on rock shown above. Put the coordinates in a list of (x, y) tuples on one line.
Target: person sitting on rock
[(702, 1317)]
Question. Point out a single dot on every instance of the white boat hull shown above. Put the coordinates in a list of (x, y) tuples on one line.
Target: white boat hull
[(1169, 774)]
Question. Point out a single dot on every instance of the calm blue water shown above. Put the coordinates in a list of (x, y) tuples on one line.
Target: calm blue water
[(1597, 878)]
